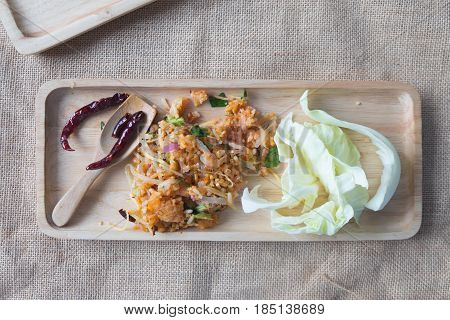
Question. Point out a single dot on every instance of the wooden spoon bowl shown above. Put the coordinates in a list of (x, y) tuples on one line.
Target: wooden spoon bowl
[(66, 207)]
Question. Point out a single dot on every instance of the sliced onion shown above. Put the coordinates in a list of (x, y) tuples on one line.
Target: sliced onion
[(171, 147), (149, 154)]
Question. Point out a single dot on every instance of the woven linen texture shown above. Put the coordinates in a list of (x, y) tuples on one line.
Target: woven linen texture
[(234, 39)]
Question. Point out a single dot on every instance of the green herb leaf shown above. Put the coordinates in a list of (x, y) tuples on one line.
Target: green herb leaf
[(244, 95), (204, 216), (218, 103), (176, 121), (272, 159), (102, 125), (200, 208), (198, 131)]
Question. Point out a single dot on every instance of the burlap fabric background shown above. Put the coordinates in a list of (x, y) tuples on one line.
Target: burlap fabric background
[(319, 40)]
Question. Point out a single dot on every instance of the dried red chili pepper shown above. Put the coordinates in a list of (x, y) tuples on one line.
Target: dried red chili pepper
[(81, 114), (121, 125), (121, 144)]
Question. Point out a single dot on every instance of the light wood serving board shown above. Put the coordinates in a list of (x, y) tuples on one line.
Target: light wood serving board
[(36, 25), (389, 107)]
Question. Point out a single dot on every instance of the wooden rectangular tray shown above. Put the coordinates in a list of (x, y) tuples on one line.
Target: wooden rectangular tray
[(36, 25), (390, 107)]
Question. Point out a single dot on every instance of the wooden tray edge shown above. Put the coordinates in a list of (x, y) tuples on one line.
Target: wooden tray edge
[(31, 45), (52, 85)]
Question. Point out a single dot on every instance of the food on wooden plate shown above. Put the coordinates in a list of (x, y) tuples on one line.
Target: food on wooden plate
[(199, 96), (86, 111), (183, 175), (125, 131), (320, 157)]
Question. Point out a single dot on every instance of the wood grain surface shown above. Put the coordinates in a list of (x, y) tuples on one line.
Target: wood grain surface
[(37, 25), (390, 107)]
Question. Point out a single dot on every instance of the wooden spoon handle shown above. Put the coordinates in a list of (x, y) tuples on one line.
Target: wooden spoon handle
[(66, 207)]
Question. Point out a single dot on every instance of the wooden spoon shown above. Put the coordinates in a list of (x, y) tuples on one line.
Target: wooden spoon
[(66, 207)]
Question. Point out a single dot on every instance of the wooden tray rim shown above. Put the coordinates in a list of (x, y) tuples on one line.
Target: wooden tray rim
[(30, 45), (52, 231)]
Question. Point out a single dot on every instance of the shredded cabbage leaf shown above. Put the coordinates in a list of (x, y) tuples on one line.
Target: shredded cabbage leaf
[(386, 151), (322, 156), (312, 162)]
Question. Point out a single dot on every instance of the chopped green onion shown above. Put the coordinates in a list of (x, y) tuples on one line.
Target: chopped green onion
[(200, 208), (176, 121), (204, 216), (102, 125)]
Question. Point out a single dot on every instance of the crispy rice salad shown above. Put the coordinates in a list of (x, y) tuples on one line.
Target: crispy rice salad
[(184, 174)]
